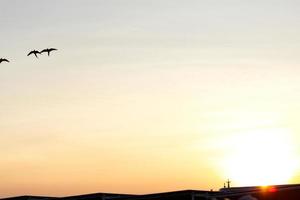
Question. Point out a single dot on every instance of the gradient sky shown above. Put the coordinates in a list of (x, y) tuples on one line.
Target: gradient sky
[(147, 95)]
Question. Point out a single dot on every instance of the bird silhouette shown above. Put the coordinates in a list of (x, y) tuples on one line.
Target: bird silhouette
[(48, 50), (3, 60), (35, 52)]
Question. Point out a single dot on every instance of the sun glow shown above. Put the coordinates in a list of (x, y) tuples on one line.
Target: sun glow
[(261, 157)]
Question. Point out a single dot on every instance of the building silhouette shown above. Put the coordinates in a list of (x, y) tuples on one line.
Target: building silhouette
[(274, 192)]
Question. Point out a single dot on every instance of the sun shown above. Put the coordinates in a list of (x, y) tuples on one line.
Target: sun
[(261, 157)]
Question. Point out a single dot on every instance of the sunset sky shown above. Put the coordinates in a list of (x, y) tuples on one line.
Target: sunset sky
[(148, 95)]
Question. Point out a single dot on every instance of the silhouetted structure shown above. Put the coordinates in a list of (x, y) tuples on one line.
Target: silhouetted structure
[(275, 192), (97, 196), (28, 197)]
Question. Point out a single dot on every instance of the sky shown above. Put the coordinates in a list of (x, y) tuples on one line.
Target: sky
[(148, 96)]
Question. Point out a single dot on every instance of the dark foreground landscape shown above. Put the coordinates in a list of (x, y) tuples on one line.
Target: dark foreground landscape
[(275, 192)]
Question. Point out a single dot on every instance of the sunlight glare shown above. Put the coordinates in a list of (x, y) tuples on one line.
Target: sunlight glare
[(261, 157)]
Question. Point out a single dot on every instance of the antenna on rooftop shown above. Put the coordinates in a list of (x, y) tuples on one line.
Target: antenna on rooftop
[(228, 183)]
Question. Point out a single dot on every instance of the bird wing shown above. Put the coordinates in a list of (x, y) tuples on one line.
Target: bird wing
[(31, 52), (3, 59), (52, 49), (45, 50)]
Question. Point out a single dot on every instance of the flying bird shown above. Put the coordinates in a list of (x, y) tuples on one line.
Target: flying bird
[(48, 50), (35, 52), (3, 60)]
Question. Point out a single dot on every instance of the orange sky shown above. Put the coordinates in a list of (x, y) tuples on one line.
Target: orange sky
[(148, 96)]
